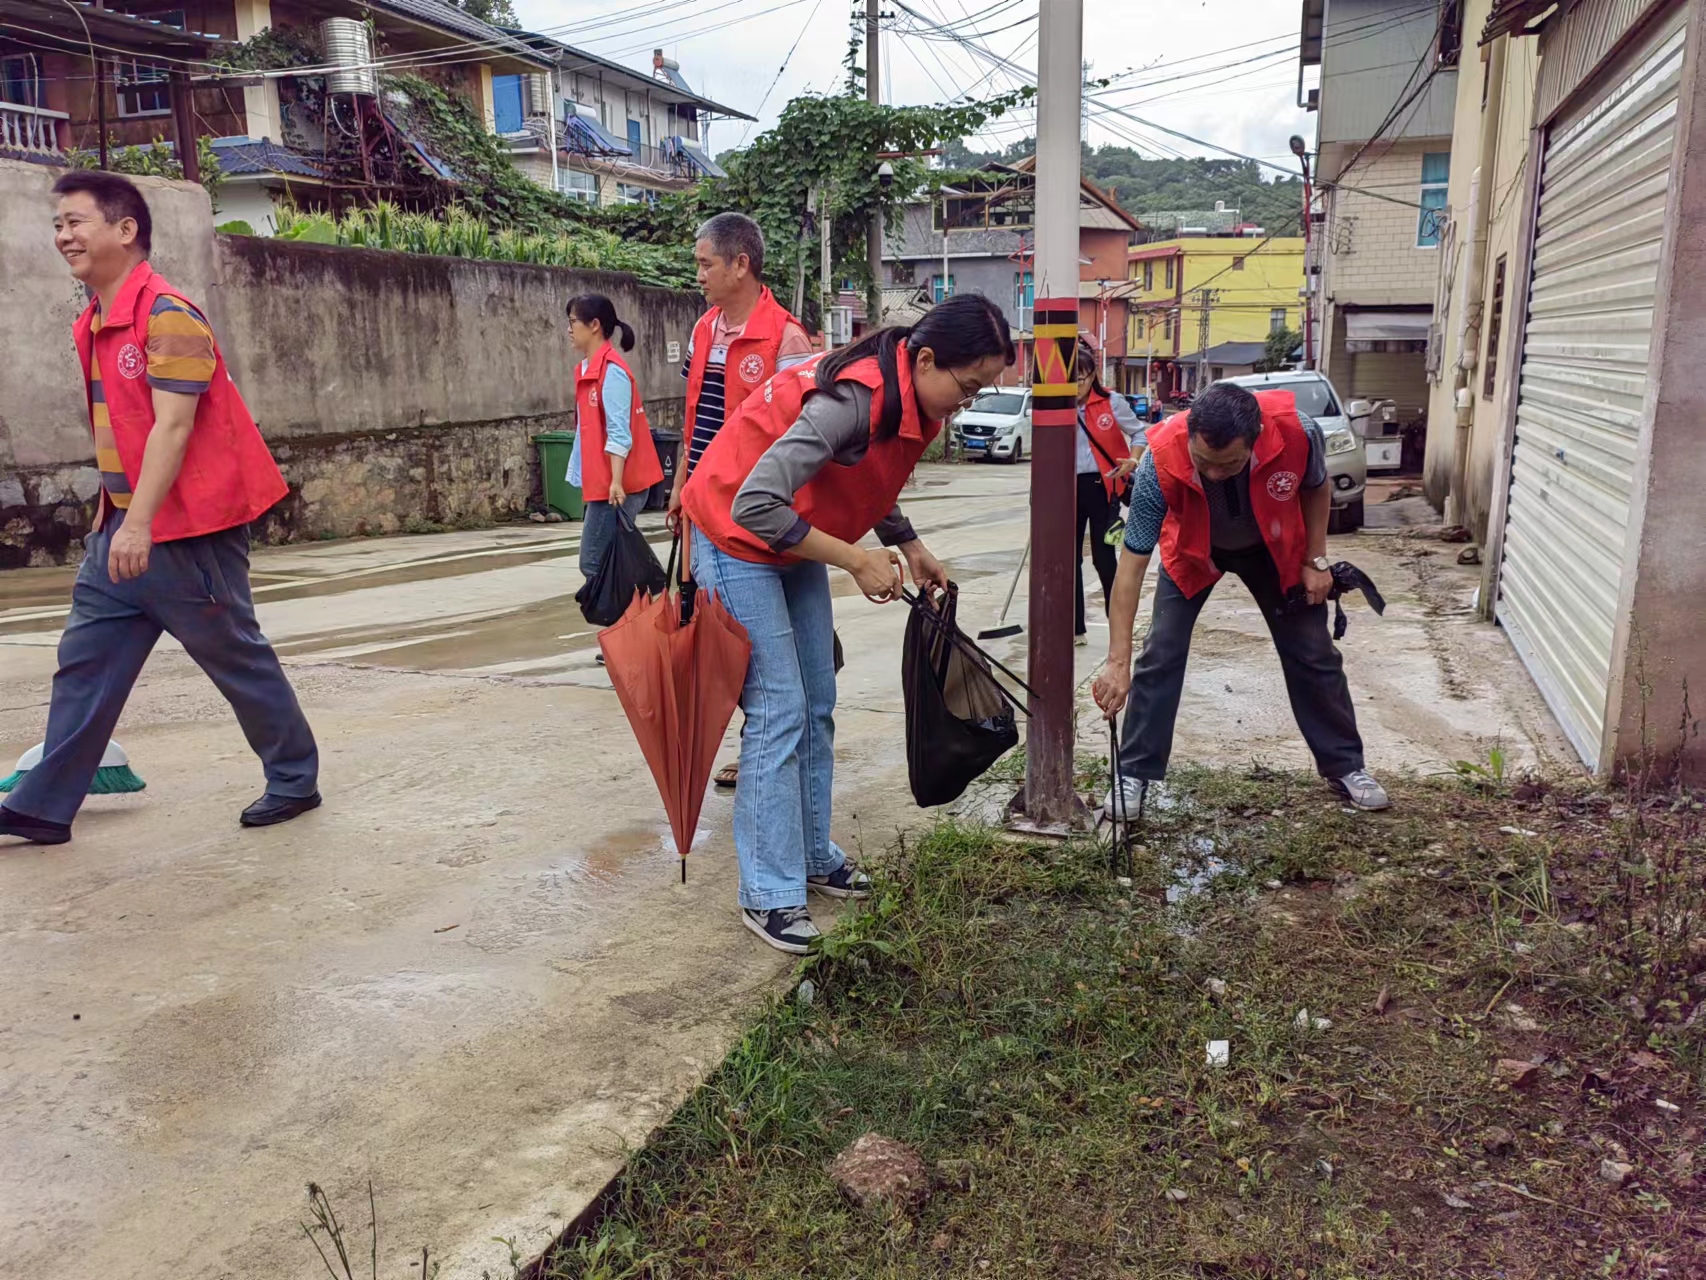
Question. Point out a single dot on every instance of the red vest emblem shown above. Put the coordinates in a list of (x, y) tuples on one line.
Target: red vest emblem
[(752, 368), (131, 361), (1282, 485)]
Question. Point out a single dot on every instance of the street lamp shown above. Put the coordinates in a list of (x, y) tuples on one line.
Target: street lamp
[(1301, 151)]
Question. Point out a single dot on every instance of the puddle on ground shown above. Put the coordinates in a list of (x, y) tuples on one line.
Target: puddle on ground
[(1195, 873)]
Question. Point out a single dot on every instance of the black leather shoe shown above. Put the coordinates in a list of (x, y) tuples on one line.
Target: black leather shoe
[(270, 810), (35, 830)]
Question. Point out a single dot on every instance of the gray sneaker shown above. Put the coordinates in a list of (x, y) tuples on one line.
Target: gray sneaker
[(787, 929), (1123, 803), (1362, 791)]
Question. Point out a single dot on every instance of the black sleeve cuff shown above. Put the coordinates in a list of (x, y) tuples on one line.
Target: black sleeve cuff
[(796, 534), (894, 537)]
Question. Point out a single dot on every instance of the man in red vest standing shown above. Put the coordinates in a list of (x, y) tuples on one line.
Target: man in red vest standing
[(744, 338), (1237, 484), (183, 472)]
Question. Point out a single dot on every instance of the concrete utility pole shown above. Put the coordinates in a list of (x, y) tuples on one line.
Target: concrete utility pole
[(1048, 799), (1206, 297), (874, 232), (826, 286)]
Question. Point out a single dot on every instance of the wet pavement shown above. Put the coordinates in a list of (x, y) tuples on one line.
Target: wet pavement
[(474, 975)]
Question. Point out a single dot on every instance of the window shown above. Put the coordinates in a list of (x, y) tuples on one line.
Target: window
[(1450, 46), (1149, 275), (1276, 320), (1024, 297), (937, 293), (20, 80), (636, 138), (1216, 372), (1167, 328), (1495, 323), (141, 87), (1168, 283), (629, 193), (1436, 171), (508, 103), (1237, 264), (577, 185)]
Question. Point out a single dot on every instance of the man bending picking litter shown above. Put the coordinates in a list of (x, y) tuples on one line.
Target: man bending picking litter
[(1238, 484)]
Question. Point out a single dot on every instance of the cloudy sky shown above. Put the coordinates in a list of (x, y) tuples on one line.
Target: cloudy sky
[(1224, 71)]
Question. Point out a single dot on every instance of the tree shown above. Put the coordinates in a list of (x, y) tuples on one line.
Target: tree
[(498, 13), (828, 144), (1276, 351)]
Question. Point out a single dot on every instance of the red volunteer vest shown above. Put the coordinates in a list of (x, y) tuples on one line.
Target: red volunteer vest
[(751, 357), (1277, 464), (641, 468), (1108, 443), (228, 476), (844, 501)]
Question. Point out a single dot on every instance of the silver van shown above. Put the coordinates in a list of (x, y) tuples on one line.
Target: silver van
[(1342, 426)]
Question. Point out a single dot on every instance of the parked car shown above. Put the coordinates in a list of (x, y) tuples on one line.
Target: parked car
[(1347, 462), (996, 425)]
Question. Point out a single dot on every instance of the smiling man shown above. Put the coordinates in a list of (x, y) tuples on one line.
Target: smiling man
[(183, 472), (1238, 484)]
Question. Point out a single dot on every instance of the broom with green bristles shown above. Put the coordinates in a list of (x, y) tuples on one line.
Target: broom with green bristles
[(114, 777)]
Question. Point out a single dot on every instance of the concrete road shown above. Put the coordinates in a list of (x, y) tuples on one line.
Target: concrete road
[(473, 976)]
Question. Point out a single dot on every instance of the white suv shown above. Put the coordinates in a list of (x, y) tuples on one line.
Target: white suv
[(997, 424)]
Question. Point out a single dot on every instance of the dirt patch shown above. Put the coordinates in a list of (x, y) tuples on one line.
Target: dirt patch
[(1462, 1040)]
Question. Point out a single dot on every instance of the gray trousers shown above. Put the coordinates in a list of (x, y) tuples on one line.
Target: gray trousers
[(197, 591), (1314, 672)]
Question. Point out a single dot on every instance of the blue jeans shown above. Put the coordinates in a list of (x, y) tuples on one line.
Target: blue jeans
[(787, 746), (197, 591), (599, 529)]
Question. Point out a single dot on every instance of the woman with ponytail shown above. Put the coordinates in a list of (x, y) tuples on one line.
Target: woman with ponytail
[(614, 460), (810, 464)]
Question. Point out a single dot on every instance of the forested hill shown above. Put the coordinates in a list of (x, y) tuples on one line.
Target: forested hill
[(1192, 184)]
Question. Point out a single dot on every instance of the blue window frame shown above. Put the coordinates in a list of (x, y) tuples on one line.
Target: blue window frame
[(1436, 172), (635, 138), (508, 99)]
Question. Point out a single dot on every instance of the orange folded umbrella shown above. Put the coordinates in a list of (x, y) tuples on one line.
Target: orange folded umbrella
[(678, 663)]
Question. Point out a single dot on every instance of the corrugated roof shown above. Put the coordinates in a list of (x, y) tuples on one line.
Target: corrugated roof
[(241, 156), (1514, 17), (1236, 353), (447, 17)]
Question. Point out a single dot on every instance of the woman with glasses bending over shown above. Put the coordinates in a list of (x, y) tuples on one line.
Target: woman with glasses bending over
[(614, 460), (810, 464)]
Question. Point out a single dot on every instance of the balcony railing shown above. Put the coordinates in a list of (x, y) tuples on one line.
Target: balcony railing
[(32, 132)]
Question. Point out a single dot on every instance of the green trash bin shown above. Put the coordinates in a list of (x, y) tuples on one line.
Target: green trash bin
[(555, 447)]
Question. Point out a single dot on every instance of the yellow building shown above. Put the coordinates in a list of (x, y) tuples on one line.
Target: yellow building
[(1223, 293)]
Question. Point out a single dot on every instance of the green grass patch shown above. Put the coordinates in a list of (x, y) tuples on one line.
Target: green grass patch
[(1037, 1031)]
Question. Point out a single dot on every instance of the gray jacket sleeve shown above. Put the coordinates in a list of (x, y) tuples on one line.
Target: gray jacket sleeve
[(829, 430)]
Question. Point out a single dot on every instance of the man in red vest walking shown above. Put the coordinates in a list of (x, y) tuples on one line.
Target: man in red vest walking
[(183, 472), (1237, 484)]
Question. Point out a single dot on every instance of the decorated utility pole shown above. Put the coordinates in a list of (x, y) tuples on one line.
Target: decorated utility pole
[(874, 232), (1048, 801)]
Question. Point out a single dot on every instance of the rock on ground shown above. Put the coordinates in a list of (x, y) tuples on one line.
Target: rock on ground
[(877, 1171)]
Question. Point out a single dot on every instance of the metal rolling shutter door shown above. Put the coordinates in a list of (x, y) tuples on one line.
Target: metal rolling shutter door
[(1597, 252)]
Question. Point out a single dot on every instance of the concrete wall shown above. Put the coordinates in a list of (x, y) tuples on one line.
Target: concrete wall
[(394, 388), (1505, 178), (1372, 258), (1368, 49)]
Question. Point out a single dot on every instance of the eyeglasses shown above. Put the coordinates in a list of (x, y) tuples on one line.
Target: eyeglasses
[(966, 397)]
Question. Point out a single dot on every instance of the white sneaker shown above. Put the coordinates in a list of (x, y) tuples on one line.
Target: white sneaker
[(1080, 641), (1124, 803), (787, 929), (1362, 791)]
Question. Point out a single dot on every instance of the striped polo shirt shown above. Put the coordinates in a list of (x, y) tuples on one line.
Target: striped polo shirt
[(180, 358), (795, 348)]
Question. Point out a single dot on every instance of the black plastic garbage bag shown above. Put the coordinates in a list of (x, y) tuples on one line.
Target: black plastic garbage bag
[(628, 566), (959, 718), (1346, 579)]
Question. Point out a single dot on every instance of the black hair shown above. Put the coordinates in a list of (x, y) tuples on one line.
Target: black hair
[(590, 308), (1087, 363), (1223, 413), (115, 195), (732, 234), (964, 329)]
